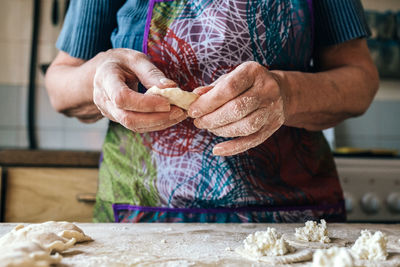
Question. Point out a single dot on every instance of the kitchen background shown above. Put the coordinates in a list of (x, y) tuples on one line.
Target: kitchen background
[(378, 128)]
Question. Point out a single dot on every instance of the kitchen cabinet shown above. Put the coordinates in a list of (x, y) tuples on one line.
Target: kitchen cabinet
[(39, 186)]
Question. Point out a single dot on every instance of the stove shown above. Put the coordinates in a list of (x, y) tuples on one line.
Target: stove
[(371, 188)]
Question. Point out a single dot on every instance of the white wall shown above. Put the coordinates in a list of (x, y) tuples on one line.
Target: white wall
[(54, 130)]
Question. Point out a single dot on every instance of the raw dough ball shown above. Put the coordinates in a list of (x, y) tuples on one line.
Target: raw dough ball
[(313, 232), (48, 240), (176, 96), (26, 254), (337, 257), (370, 246)]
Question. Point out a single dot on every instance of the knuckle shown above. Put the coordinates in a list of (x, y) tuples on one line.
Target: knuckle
[(96, 98), (137, 56), (231, 88), (255, 123), (239, 108), (254, 65), (119, 99), (125, 121), (155, 72)]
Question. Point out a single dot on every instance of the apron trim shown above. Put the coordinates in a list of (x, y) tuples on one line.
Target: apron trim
[(148, 22), (323, 207), (311, 10)]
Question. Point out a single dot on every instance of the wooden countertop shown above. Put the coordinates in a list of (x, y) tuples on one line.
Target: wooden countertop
[(188, 244)]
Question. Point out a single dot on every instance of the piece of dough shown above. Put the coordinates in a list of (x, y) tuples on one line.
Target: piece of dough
[(338, 257), (299, 255), (293, 241), (26, 254), (176, 96), (313, 232), (46, 239), (266, 243), (270, 247), (370, 246), (63, 229)]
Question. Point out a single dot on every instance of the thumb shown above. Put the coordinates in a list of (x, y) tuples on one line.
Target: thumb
[(148, 74)]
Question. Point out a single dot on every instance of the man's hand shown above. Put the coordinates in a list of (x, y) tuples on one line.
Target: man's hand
[(246, 103)]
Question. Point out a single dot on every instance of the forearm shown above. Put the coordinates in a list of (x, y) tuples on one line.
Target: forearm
[(70, 88), (316, 101)]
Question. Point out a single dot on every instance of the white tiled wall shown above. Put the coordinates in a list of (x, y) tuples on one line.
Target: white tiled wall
[(54, 131)]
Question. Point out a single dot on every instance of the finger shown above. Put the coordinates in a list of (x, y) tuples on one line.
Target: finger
[(244, 143), (125, 98), (230, 112), (164, 126), (247, 126), (148, 73), (137, 120), (235, 83), (203, 89)]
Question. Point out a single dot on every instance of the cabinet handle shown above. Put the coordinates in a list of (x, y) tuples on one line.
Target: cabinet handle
[(86, 197)]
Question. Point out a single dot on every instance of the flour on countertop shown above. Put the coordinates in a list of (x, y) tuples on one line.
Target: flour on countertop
[(313, 232), (337, 257), (26, 253), (370, 246)]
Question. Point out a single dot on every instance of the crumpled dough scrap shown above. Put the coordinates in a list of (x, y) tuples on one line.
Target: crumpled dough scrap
[(370, 246), (313, 232), (26, 254), (48, 240), (339, 257), (175, 96)]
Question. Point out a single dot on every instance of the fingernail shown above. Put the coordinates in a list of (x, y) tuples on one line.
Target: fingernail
[(175, 114), (218, 150), (166, 81), (163, 108), (197, 124), (194, 113)]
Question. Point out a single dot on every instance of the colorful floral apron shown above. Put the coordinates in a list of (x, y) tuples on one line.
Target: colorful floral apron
[(172, 175)]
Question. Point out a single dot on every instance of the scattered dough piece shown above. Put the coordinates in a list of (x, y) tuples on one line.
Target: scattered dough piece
[(268, 246), (176, 96), (370, 246), (313, 232), (48, 240), (337, 257), (266, 243), (26, 254)]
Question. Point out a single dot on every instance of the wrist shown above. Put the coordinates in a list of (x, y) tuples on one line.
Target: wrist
[(281, 79)]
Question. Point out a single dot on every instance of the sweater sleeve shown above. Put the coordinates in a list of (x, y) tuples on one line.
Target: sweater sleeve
[(88, 26), (338, 21)]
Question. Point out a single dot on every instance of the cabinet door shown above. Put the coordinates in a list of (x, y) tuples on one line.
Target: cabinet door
[(43, 194)]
